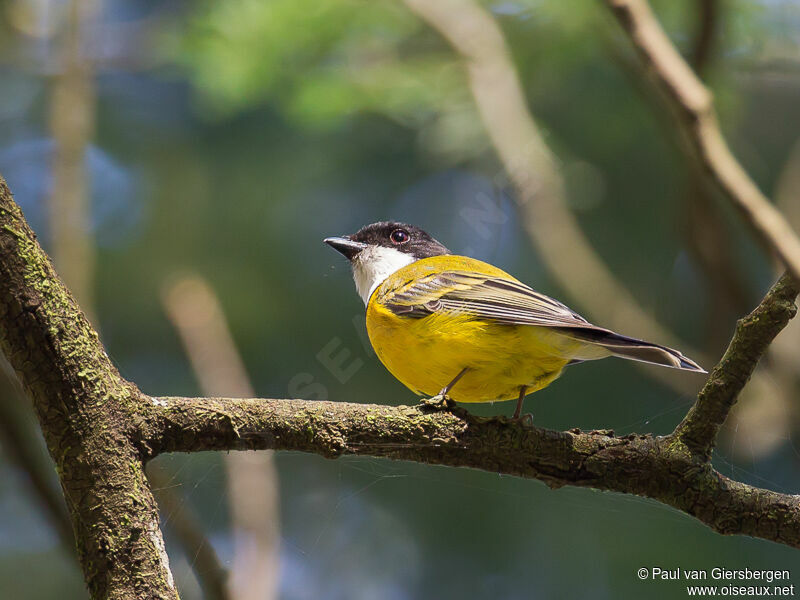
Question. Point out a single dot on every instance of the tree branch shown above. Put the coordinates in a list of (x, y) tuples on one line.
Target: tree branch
[(754, 334), (692, 103), (635, 464), (696, 119), (675, 469)]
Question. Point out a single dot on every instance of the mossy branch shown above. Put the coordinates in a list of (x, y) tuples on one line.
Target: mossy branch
[(655, 467)]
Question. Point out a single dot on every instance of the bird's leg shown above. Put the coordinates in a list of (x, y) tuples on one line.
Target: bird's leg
[(520, 401), (442, 397), (444, 391)]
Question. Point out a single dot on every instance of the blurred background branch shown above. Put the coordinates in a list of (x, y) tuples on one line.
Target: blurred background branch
[(773, 418), (71, 122), (197, 316), (72, 108), (697, 120), (707, 235), (22, 443), (572, 261), (188, 529)]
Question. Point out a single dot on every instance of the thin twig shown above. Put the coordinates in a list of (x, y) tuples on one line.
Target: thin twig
[(708, 153)]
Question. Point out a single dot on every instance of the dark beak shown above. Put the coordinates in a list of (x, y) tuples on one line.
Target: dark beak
[(345, 245)]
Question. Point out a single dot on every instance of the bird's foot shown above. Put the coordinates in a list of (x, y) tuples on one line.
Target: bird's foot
[(438, 402), (525, 420)]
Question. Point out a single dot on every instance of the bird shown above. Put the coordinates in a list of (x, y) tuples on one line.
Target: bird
[(454, 327)]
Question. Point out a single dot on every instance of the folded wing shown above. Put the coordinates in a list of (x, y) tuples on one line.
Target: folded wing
[(497, 299), (508, 301)]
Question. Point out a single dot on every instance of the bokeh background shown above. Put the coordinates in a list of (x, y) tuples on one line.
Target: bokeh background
[(182, 162)]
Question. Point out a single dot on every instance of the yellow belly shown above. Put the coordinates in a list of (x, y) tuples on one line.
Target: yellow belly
[(426, 354)]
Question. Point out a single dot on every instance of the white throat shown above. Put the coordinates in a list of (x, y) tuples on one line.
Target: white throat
[(373, 265)]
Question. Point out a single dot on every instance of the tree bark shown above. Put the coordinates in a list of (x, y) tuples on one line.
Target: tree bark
[(662, 468)]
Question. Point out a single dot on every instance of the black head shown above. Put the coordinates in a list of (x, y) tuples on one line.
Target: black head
[(402, 237)]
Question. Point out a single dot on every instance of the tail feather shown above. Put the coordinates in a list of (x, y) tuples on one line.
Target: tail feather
[(635, 349)]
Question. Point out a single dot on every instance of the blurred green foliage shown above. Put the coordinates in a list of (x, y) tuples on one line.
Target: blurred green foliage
[(320, 61)]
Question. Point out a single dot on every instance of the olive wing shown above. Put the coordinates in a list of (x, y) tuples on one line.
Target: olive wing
[(508, 301), (497, 299)]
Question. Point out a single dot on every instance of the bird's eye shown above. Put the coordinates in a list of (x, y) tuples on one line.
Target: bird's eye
[(399, 236)]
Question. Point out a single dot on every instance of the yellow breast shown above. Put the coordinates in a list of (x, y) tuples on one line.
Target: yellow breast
[(426, 353)]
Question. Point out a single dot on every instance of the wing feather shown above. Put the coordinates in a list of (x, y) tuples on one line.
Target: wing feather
[(488, 297), (505, 300), (508, 301)]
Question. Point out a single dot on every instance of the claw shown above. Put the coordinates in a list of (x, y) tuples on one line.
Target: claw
[(439, 401), (526, 420)]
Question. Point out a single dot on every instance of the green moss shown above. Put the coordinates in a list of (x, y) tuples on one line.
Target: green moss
[(675, 445)]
